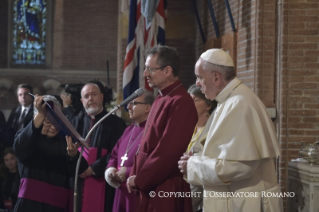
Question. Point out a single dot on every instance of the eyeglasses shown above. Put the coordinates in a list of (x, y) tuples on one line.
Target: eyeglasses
[(133, 103), (152, 70)]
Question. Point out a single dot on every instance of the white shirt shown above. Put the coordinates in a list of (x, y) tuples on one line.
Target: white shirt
[(25, 108)]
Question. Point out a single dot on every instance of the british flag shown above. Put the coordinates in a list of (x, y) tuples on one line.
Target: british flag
[(144, 33)]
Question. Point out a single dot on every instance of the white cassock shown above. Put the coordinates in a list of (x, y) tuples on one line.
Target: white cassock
[(238, 155)]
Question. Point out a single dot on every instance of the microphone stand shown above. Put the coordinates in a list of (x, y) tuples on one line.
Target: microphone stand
[(81, 153), (136, 94)]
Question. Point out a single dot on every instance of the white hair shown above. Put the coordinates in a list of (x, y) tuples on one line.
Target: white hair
[(227, 72)]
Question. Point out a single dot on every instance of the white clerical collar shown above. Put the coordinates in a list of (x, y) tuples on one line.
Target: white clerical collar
[(93, 116), (25, 108), (159, 91), (222, 96)]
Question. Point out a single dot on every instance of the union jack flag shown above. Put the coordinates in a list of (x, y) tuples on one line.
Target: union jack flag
[(144, 33)]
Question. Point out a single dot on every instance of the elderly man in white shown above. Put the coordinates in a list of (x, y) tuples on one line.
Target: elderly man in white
[(241, 145)]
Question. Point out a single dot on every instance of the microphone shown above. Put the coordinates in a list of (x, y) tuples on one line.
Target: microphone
[(134, 95)]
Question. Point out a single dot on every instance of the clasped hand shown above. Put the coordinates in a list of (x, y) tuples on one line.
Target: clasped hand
[(130, 184), (118, 176), (182, 163)]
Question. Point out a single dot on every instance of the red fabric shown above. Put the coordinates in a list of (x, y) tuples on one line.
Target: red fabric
[(169, 130), (8, 204), (44, 192), (93, 189)]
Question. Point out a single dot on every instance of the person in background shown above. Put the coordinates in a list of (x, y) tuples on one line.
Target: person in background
[(23, 114), (10, 180), (204, 108), (46, 162), (6, 133), (94, 193), (123, 154)]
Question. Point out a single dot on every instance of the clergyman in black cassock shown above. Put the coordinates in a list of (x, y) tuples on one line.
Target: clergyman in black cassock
[(102, 140)]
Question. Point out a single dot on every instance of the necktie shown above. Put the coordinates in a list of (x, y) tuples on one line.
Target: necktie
[(21, 120)]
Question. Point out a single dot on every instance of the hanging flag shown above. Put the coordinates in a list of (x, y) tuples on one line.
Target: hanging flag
[(140, 40), (148, 10)]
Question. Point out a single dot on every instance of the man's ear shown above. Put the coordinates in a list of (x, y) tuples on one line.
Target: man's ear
[(81, 100), (147, 108), (168, 70), (218, 78)]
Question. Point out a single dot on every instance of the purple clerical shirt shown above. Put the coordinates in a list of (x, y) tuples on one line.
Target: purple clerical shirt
[(129, 142)]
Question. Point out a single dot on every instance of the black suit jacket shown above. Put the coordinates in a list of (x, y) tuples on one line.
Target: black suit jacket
[(6, 134), (14, 117)]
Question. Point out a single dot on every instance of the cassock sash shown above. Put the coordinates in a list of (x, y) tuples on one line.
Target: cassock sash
[(93, 189), (46, 193)]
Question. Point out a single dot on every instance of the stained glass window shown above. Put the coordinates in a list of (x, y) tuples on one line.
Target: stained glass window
[(29, 32)]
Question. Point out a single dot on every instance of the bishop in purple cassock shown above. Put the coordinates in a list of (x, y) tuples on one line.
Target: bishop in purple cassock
[(123, 154)]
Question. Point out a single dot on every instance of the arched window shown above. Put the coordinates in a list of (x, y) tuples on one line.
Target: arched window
[(30, 33)]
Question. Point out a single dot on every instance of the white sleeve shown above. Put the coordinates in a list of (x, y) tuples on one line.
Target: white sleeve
[(108, 180), (202, 170), (230, 171)]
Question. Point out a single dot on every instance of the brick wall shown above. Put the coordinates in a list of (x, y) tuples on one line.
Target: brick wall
[(85, 36), (277, 57), (3, 33), (90, 34), (299, 66), (254, 41), (301, 62), (57, 35), (180, 34), (247, 37)]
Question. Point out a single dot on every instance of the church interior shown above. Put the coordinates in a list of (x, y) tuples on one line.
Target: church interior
[(274, 44)]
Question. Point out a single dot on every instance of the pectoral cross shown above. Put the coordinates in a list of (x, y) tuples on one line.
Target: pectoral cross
[(124, 158)]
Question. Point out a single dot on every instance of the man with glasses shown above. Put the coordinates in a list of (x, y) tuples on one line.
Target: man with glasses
[(123, 154), (167, 133)]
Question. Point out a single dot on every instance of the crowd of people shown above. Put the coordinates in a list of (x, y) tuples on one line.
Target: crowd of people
[(182, 146)]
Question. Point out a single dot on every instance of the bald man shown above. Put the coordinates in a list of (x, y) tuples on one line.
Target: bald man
[(95, 194)]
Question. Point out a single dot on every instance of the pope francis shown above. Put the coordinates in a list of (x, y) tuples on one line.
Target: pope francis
[(236, 168)]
